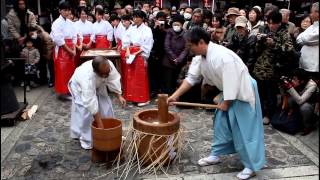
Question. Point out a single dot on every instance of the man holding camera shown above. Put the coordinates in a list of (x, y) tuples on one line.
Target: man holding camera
[(273, 47)]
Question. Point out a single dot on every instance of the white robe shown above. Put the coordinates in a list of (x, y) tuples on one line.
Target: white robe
[(62, 29), (89, 96), (84, 28), (139, 36), (103, 28), (119, 31), (224, 69)]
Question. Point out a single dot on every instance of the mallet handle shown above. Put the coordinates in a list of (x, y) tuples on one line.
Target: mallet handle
[(211, 106)]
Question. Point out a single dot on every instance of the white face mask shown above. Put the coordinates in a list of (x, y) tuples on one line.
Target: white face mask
[(176, 28), (187, 16), (34, 36)]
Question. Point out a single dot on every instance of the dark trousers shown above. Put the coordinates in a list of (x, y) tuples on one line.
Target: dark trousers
[(154, 75), (268, 90), (50, 66), (169, 77)]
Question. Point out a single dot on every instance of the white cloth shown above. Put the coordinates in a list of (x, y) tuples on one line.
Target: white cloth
[(309, 38), (119, 31), (84, 28), (224, 69), (103, 28), (254, 30), (90, 95), (139, 36), (62, 29), (88, 85)]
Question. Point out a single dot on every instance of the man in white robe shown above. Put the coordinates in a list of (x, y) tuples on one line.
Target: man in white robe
[(238, 120), (90, 99)]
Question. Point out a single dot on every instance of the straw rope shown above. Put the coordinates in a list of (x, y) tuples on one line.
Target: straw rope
[(169, 151)]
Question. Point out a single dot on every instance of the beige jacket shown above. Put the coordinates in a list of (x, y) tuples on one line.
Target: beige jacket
[(47, 44), (14, 23)]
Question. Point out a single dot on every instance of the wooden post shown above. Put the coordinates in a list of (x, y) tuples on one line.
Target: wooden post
[(163, 108)]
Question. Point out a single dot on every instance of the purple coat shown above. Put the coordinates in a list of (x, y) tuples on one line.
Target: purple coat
[(175, 48)]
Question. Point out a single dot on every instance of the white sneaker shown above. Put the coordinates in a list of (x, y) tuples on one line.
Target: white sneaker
[(22, 84), (143, 104)]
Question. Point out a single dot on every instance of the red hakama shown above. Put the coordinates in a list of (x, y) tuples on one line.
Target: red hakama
[(86, 40), (135, 78), (64, 66), (102, 42)]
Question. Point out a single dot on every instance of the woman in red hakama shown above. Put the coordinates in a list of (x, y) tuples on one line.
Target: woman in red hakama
[(84, 31), (138, 41), (103, 31), (64, 37)]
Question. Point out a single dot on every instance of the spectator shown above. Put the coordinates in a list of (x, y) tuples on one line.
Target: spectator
[(218, 30), (207, 19), (117, 9), (19, 20), (32, 56), (159, 34), (138, 42), (187, 14), (273, 46), (285, 20), (46, 52), (146, 8), (91, 18), (268, 10), (175, 54), (309, 40), (243, 44), (243, 12), (129, 9), (255, 22), (196, 21), (82, 3), (304, 24), (232, 14), (300, 99)]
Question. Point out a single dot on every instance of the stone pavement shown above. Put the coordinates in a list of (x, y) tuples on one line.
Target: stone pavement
[(40, 148)]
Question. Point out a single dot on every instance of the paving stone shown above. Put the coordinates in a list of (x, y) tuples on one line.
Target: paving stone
[(22, 147)]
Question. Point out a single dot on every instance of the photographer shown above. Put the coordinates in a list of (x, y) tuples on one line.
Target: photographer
[(299, 103), (273, 47)]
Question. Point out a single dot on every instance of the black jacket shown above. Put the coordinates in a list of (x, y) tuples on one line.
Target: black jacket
[(245, 49)]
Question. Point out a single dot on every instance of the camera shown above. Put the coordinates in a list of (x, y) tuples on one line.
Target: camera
[(285, 79)]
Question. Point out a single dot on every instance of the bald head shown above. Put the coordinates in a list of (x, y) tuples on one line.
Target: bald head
[(101, 66)]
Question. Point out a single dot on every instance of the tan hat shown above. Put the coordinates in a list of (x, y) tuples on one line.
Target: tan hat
[(241, 21), (234, 11), (117, 6)]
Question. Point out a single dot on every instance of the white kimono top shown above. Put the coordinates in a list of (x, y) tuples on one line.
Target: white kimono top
[(88, 84), (103, 28), (139, 36), (119, 31), (63, 29), (84, 28), (224, 69)]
